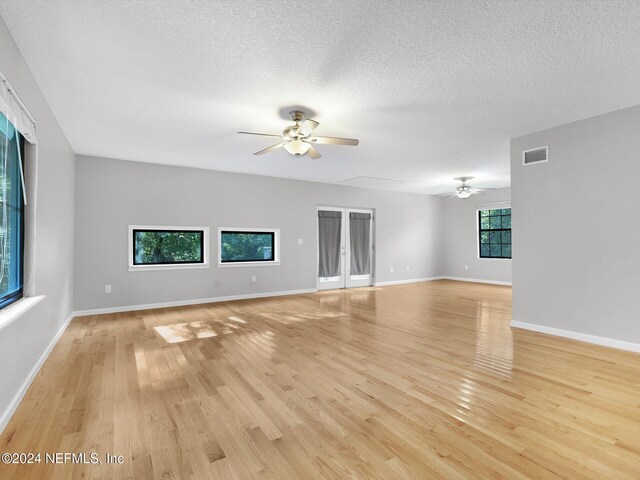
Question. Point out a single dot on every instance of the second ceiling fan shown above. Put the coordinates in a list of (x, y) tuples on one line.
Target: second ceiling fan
[(465, 190), (297, 138)]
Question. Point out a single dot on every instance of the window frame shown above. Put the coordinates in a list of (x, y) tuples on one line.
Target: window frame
[(10, 299), (250, 263), (133, 267), (479, 231)]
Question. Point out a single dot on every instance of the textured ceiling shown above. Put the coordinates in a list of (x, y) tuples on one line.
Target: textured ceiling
[(433, 90)]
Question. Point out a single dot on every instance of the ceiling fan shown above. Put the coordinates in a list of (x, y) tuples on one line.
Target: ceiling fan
[(297, 139), (464, 190)]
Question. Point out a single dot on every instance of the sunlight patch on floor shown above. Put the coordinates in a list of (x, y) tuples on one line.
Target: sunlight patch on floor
[(236, 319), (183, 332), (288, 317), (494, 342)]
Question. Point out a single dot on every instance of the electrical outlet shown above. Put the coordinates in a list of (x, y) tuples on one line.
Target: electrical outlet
[(300, 241), (390, 269), (254, 279), (466, 267), (107, 289)]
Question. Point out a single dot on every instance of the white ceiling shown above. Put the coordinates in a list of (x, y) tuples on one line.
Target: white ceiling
[(433, 90)]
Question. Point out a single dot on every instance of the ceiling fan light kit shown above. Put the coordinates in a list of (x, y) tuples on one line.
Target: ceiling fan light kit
[(297, 147), (297, 139), (464, 193)]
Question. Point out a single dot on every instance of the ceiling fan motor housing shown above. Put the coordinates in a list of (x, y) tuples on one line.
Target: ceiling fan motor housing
[(296, 115), (291, 131)]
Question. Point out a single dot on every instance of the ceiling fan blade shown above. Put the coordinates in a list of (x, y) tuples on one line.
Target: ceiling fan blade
[(313, 153), (261, 134), (334, 140), (271, 148), (448, 194), (307, 127)]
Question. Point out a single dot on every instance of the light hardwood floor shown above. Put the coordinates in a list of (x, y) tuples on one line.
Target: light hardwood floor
[(423, 381)]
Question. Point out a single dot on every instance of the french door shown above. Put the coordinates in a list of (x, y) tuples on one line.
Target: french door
[(345, 247)]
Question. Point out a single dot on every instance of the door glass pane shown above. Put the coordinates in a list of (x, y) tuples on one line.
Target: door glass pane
[(329, 243), (329, 279), (360, 244)]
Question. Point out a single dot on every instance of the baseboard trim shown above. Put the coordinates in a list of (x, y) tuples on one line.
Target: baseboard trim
[(583, 337), (410, 280), (444, 277), (196, 301), (17, 398), (476, 280)]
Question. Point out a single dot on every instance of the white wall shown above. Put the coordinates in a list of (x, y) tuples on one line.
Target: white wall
[(460, 243), (24, 341), (576, 263), (111, 194)]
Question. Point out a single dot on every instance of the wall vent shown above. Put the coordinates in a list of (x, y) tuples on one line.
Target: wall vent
[(535, 155)]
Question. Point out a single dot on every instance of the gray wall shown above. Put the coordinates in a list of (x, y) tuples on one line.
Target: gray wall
[(576, 263), (461, 239), (23, 342), (111, 194)]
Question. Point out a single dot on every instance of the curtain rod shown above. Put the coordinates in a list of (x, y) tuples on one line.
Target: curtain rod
[(17, 98)]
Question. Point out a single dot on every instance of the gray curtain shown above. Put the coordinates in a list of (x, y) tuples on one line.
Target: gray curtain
[(360, 233), (330, 231)]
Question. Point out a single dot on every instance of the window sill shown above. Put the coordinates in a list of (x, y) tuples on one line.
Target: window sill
[(248, 264), (10, 314), (492, 259), (150, 268)]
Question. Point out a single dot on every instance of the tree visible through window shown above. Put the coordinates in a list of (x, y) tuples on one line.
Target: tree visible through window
[(167, 247), (247, 246), (495, 233), (11, 213)]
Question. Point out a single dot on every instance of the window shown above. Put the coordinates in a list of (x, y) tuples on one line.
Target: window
[(248, 246), (11, 213), (495, 233), (153, 248)]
